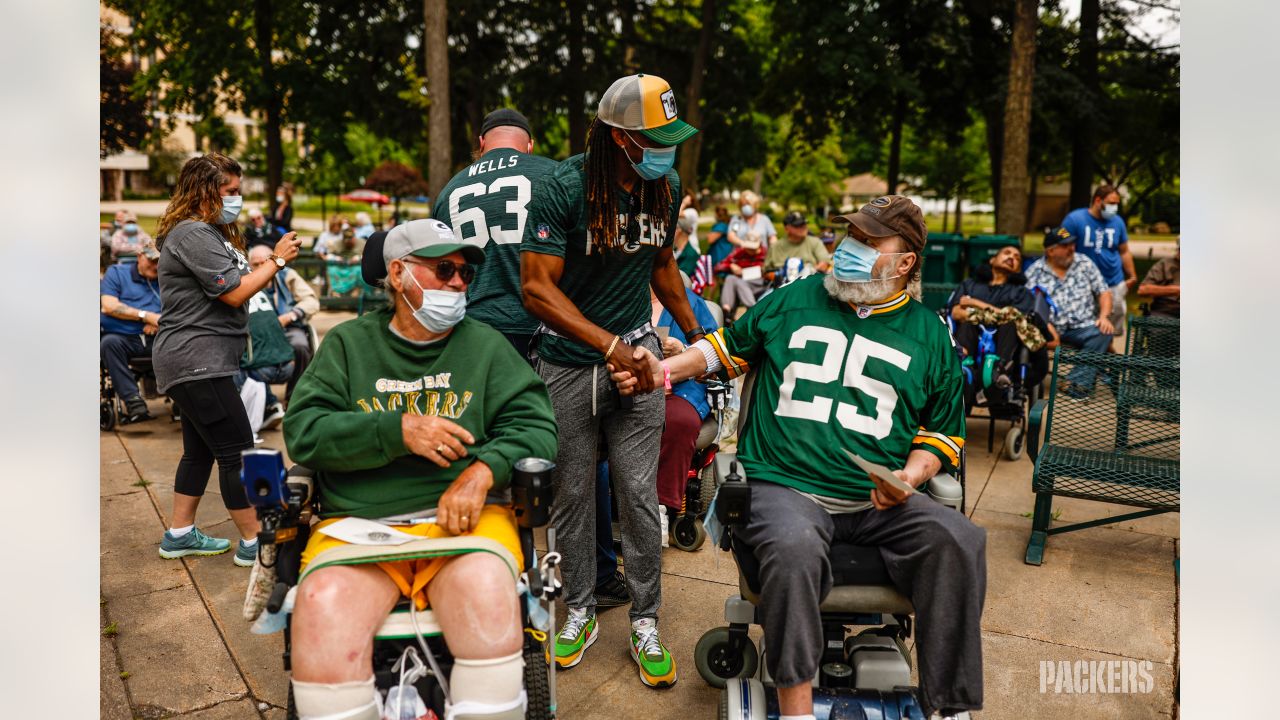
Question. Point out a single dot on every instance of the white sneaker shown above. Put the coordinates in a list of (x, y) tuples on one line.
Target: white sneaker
[(272, 417), (962, 715)]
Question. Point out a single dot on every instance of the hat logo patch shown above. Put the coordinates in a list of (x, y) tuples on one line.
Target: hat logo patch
[(669, 104), (444, 231), (882, 201)]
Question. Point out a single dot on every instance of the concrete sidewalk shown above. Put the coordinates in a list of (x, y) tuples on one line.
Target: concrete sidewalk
[(181, 649)]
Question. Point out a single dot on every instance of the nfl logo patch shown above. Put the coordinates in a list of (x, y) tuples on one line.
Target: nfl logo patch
[(864, 312), (543, 232), (219, 280)]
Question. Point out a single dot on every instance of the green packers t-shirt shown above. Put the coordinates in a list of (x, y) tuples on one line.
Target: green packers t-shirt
[(611, 289), (486, 203), (828, 380)]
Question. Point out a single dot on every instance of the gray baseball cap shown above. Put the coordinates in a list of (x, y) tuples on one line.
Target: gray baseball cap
[(428, 238)]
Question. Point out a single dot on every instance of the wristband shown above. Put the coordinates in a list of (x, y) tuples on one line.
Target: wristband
[(666, 376), (612, 345)]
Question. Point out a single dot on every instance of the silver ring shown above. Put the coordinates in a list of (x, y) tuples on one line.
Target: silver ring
[(440, 449), (466, 519)]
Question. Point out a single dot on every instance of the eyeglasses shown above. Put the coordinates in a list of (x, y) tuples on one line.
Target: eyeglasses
[(445, 269)]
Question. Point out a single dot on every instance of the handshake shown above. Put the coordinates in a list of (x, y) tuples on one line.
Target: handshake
[(640, 371)]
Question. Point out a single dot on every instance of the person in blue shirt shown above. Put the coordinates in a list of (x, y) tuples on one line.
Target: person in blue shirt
[(1101, 236), (130, 299), (687, 406)]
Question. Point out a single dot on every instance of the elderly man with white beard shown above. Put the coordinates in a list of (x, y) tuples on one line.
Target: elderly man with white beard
[(849, 362)]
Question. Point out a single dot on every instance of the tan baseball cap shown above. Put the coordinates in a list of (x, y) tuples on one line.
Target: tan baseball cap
[(890, 215), (647, 104)]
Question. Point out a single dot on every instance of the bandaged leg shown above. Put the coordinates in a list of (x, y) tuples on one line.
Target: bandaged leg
[(357, 700), (487, 689)]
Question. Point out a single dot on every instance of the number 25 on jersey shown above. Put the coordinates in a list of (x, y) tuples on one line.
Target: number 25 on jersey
[(818, 409)]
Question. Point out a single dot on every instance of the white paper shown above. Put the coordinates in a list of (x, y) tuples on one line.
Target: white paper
[(664, 332), (359, 531), (751, 273), (881, 472)]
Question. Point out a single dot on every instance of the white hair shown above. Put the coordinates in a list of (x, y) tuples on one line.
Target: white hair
[(260, 250), (865, 292), (748, 196), (254, 213), (363, 218)]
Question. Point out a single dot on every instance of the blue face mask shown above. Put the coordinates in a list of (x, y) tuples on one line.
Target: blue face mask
[(655, 162), (854, 260), (130, 228), (231, 206)]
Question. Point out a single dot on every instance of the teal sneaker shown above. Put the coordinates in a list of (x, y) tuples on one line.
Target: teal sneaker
[(246, 554), (657, 667), (193, 543)]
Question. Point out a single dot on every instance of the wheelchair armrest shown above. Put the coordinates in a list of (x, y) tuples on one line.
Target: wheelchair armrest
[(1034, 420)]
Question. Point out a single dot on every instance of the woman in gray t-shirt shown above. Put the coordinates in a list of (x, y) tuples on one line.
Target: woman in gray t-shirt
[(204, 284)]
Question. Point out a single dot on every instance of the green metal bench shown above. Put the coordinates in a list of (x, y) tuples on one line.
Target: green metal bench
[(1118, 444), (369, 298)]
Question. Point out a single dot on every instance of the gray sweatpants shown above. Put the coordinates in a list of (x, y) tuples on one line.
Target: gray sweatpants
[(634, 437), (737, 291), (934, 555)]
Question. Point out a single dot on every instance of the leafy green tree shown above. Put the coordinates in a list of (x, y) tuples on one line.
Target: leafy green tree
[(124, 114)]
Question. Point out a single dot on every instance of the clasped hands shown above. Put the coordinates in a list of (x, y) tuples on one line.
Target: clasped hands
[(443, 441)]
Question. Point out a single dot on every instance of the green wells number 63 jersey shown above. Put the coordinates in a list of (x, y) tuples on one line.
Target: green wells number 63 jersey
[(880, 381)]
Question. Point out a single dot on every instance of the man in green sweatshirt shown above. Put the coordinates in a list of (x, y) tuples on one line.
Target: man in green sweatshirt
[(414, 415)]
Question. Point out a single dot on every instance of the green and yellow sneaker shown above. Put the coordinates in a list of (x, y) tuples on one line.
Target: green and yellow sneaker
[(657, 667), (578, 634)]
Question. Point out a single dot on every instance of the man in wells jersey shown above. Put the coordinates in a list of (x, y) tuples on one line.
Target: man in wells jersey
[(848, 362), (486, 203), (599, 233)]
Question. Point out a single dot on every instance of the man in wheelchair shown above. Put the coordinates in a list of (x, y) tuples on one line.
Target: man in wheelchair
[(413, 415), (1002, 328), (849, 363)]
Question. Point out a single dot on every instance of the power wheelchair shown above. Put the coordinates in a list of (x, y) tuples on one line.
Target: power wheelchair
[(863, 676), (111, 409), (286, 504)]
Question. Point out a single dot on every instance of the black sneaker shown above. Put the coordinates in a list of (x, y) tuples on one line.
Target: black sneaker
[(135, 411), (272, 416), (612, 592)]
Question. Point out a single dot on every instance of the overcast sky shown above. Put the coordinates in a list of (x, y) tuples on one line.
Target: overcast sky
[(1160, 25)]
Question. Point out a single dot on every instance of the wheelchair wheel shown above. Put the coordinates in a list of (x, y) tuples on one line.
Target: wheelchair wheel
[(716, 661), (1014, 443), (687, 533), (707, 485), (107, 413), (536, 686)]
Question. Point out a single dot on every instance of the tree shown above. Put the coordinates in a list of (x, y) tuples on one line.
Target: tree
[(692, 150), (397, 180), (1011, 213), (1082, 140), (436, 40), (124, 115)]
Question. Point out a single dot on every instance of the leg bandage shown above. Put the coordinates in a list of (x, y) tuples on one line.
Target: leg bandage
[(358, 700), (487, 689)]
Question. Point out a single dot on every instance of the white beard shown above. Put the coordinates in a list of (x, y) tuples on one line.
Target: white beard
[(867, 292)]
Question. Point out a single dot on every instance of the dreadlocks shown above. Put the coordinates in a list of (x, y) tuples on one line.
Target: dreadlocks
[(652, 197)]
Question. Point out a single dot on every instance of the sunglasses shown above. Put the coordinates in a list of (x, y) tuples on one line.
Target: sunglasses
[(446, 268)]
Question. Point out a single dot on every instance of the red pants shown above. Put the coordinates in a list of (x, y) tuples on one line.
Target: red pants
[(678, 439)]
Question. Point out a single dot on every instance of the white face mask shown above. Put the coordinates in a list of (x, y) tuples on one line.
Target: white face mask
[(231, 206), (748, 211), (1109, 211), (440, 309), (279, 197)]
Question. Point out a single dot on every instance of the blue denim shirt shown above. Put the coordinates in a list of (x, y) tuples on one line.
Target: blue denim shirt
[(691, 390)]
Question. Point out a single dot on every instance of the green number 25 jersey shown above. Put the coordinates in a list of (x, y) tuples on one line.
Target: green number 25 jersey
[(828, 380)]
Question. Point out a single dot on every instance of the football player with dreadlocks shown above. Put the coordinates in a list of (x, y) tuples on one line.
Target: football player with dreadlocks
[(599, 233)]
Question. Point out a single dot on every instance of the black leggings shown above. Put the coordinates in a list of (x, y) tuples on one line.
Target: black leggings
[(214, 427)]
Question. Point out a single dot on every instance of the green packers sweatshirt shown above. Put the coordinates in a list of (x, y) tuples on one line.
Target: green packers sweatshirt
[(344, 417)]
